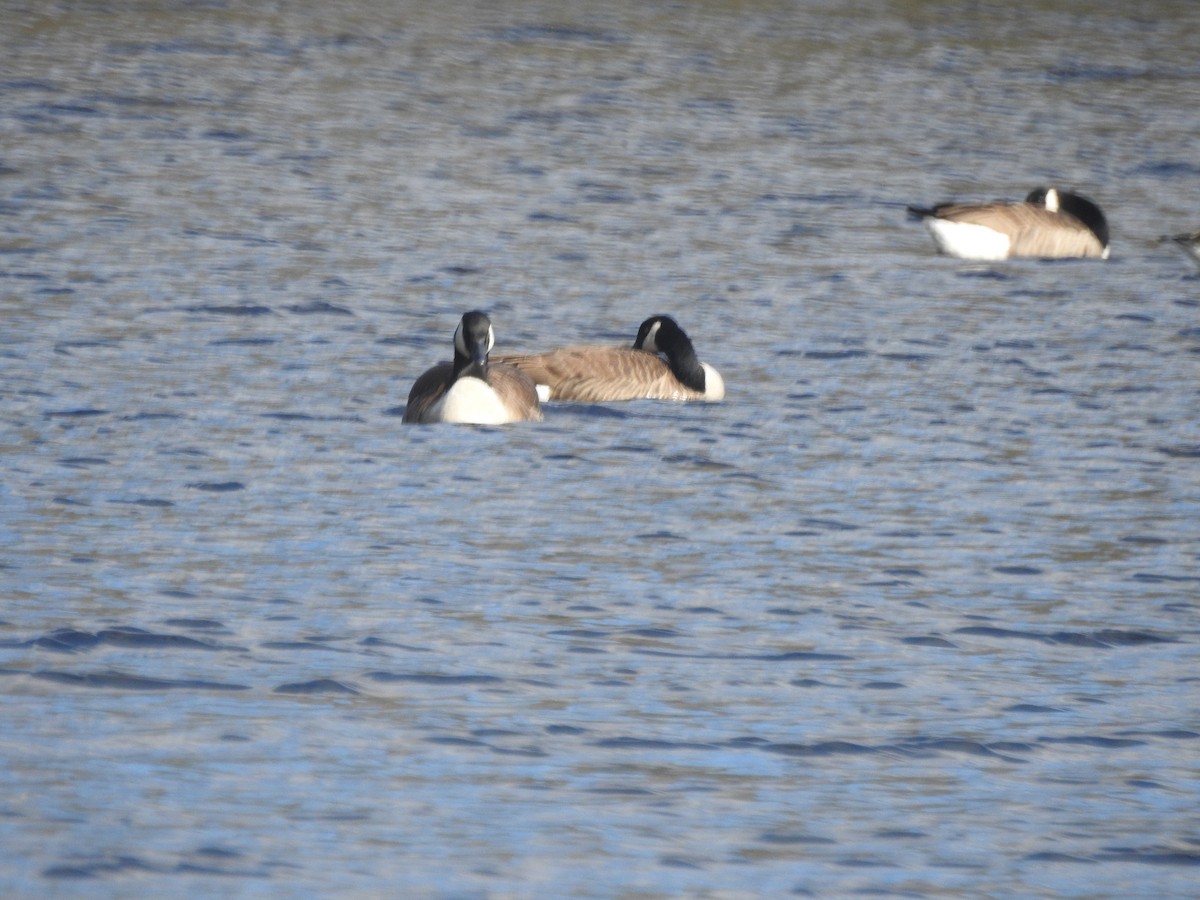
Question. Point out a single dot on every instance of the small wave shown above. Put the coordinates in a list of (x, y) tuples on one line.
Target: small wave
[(1183, 451), (80, 413), (1106, 638), (1091, 740), (432, 678), (318, 307), (70, 640), (928, 641), (631, 743), (248, 309), (316, 686), (1158, 856), (125, 682)]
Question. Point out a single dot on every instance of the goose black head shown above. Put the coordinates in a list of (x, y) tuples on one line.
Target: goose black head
[(473, 340), (1045, 197), (662, 334), (1076, 205)]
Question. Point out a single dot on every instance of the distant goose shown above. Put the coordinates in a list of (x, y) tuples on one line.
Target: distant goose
[(471, 390), (601, 374), (1049, 224), (1190, 243)]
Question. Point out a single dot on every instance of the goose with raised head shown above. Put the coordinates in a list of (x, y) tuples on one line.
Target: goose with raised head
[(661, 365), (1048, 224), (473, 390)]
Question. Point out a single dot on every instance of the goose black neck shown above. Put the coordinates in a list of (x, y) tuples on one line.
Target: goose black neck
[(1078, 206), (1086, 212), (681, 355), (470, 367), (472, 342)]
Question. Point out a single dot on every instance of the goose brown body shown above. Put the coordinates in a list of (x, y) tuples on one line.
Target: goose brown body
[(1048, 224), (603, 374), (592, 374), (516, 393)]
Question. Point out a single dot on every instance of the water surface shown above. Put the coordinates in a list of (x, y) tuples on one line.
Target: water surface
[(913, 612)]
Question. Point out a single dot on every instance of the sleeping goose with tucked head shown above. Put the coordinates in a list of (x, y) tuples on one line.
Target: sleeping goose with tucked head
[(1189, 243), (471, 389), (661, 365), (1049, 224)]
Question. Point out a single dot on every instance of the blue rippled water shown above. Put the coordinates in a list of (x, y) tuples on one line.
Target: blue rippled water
[(914, 612)]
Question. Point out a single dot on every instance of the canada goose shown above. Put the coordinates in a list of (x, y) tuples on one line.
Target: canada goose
[(1049, 224), (602, 374), (471, 390), (1190, 243)]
